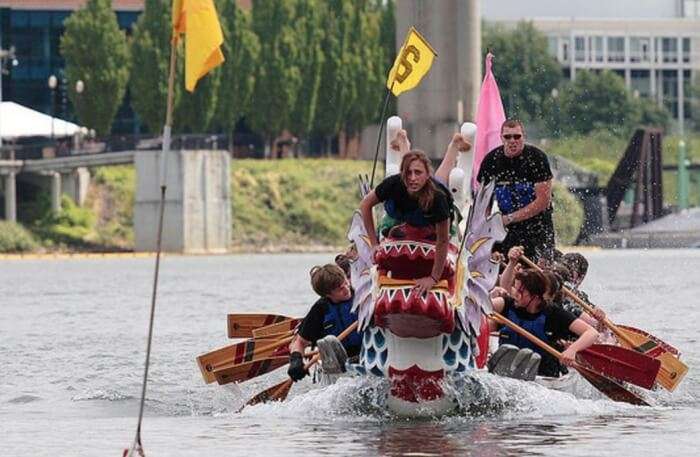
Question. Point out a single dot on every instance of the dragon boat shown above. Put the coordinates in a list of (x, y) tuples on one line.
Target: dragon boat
[(420, 342), (427, 344)]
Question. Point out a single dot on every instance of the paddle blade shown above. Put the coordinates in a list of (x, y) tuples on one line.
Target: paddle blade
[(242, 325), (620, 363), (276, 330), (278, 392), (245, 351), (611, 388), (244, 371), (629, 329), (672, 369)]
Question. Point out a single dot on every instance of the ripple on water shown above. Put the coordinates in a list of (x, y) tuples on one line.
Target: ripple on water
[(22, 399)]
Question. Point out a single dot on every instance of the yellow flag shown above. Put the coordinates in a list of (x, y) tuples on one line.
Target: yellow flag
[(412, 63), (197, 19)]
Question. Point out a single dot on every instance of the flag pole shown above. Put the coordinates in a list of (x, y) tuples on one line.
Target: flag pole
[(381, 128), (137, 446)]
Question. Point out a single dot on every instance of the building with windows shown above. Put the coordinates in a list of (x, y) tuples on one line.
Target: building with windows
[(34, 29), (653, 44)]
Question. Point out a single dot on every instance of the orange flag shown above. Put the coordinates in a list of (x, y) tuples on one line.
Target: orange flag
[(198, 21)]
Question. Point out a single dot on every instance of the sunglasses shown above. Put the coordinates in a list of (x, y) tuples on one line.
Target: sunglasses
[(516, 136)]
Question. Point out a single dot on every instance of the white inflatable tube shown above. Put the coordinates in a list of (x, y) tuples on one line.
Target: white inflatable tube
[(393, 158)]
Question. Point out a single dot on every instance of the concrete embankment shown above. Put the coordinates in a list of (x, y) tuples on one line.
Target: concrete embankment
[(680, 230)]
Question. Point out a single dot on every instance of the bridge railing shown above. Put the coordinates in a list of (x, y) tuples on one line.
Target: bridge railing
[(33, 148)]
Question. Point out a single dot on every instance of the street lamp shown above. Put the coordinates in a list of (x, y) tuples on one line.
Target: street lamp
[(53, 82), (555, 98), (79, 88)]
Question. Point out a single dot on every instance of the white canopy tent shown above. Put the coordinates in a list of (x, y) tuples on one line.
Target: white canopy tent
[(18, 121)]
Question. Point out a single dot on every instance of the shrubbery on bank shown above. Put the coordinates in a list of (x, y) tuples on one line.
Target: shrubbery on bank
[(15, 238)]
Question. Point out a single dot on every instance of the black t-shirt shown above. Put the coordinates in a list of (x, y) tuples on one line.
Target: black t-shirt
[(393, 188), (515, 182), (556, 327), (312, 329)]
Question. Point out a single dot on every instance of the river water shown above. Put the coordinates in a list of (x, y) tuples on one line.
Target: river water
[(72, 349)]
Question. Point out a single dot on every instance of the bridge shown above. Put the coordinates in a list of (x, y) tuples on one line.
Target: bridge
[(67, 175), (197, 211)]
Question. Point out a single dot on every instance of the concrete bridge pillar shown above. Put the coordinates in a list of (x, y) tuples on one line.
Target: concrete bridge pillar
[(10, 197), (75, 184), (197, 216), (431, 112), (56, 192)]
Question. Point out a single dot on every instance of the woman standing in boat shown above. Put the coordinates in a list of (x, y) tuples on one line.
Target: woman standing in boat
[(415, 197)]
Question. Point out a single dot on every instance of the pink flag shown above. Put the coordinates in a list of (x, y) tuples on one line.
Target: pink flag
[(489, 118)]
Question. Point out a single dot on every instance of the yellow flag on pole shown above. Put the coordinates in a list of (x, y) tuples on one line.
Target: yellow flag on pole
[(412, 63), (197, 19)]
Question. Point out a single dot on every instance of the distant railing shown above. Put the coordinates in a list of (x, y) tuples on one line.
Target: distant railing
[(243, 145)]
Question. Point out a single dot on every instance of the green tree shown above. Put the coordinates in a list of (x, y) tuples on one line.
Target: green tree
[(194, 111), (150, 56), (694, 96), (366, 88), (524, 70), (241, 50), (310, 29), (387, 33), (278, 78), (336, 76), (651, 114), (97, 53), (598, 101)]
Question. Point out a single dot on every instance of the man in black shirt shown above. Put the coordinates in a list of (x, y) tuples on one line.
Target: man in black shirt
[(523, 191)]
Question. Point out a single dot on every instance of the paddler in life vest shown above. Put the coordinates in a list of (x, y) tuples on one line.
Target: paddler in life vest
[(417, 198), (526, 307), (328, 317)]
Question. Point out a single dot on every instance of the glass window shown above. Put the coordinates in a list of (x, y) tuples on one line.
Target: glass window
[(640, 82), (669, 49), (552, 46), (595, 45), (639, 49), (40, 18), (686, 50), (580, 44), (616, 49), (691, 8), (19, 19)]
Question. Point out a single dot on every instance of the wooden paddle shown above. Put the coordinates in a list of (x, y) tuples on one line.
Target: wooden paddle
[(623, 364), (242, 325), (245, 351), (279, 392), (611, 388), (672, 370)]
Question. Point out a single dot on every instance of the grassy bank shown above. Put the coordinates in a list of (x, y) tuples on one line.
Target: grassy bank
[(293, 201), (290, 204)]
